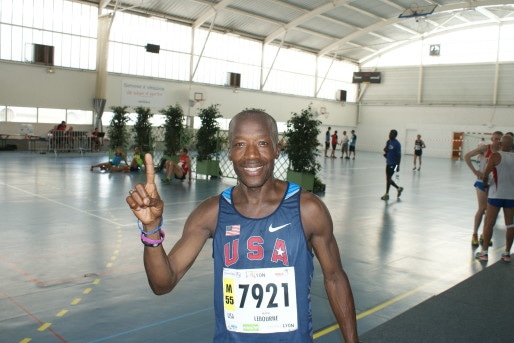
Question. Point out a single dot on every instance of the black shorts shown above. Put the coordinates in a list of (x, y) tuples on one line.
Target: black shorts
[(352, 148), (418, 152), (390, 168), (327, 145)]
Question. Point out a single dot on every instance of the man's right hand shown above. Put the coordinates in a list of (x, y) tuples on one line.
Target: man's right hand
[(144, 200)]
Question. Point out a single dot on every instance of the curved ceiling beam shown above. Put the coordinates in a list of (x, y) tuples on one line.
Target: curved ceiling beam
[(392, 21), (103, 3), (303, 18), (210, 12)]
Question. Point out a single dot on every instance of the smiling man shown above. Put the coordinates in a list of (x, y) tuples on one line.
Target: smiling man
[(265, 232)]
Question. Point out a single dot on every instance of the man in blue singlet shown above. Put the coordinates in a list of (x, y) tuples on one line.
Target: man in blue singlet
[(393, 156), (265, 233)]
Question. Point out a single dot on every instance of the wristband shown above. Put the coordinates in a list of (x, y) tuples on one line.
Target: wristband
[(152, 242), (151, 232)]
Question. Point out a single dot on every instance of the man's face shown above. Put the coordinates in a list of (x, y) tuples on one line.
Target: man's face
[(506, 143), (252, 152), (495, 140)]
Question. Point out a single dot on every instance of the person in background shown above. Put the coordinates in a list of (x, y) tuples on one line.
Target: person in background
[(114, 165), (393, 155), (61, 126), (59, 136), (137, 161), (510, 133), (483, 152), (265, 233), (95, 140), (500, 195), (419, 145), (334, 141), (180, 170), (327, 140), (70, 138), (352, 144), (344, 146)]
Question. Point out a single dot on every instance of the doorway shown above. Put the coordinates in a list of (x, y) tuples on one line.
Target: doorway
[(457, 145)]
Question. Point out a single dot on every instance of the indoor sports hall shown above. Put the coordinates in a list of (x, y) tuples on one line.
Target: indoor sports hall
[(81, 78), (71, 257)]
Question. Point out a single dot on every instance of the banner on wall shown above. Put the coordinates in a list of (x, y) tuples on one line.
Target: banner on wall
[(135, 93)]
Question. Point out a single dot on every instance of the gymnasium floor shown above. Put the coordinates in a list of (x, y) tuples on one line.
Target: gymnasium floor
[(71, 259)]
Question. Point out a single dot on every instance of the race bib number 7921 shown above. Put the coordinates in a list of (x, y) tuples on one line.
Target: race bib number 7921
[(260, 300)]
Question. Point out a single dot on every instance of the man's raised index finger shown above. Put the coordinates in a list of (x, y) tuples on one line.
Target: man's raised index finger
[(150, 170)]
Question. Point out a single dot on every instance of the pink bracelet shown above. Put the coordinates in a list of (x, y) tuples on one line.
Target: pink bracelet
[(152, 242)]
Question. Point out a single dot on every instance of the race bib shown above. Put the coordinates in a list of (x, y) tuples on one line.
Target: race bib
[(260, 300)]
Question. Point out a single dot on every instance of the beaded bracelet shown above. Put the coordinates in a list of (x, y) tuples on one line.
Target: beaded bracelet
[(151, 232), (152, 242)]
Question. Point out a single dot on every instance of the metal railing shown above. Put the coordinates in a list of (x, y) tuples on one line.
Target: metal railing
[(68, 141)]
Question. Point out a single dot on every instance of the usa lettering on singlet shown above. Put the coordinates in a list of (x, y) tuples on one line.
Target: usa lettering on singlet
[(262, 274)]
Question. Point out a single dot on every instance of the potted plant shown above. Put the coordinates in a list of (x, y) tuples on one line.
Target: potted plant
[(207, 143), (143, 129), (173, 129), (302, 149), (174, 132), (117, 131)]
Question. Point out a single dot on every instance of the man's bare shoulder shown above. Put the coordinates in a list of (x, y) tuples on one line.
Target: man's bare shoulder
[(316, 218), (312, 205)]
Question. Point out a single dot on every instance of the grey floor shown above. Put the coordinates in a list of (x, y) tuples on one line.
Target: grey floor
[(71, 260)]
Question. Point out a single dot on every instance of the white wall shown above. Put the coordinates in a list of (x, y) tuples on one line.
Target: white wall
[(234, 101), (435, 124), (28, 85)]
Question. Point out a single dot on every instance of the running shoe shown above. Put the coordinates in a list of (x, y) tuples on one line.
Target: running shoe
[(474, 241), (506, 256), (166, 180), (400, 190), (482, 256), (385, 197)]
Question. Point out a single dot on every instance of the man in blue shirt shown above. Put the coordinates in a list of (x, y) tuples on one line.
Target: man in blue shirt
[(393, 155), (327, 140), (265, 233)]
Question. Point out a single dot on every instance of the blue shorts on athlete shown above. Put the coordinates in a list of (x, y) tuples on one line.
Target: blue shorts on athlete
[(503, 203), (479, 185)]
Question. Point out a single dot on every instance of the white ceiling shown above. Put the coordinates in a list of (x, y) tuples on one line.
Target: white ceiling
[(353, 30)]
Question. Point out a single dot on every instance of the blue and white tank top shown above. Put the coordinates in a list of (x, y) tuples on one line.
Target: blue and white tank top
[(503, 178), (262, 274)]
